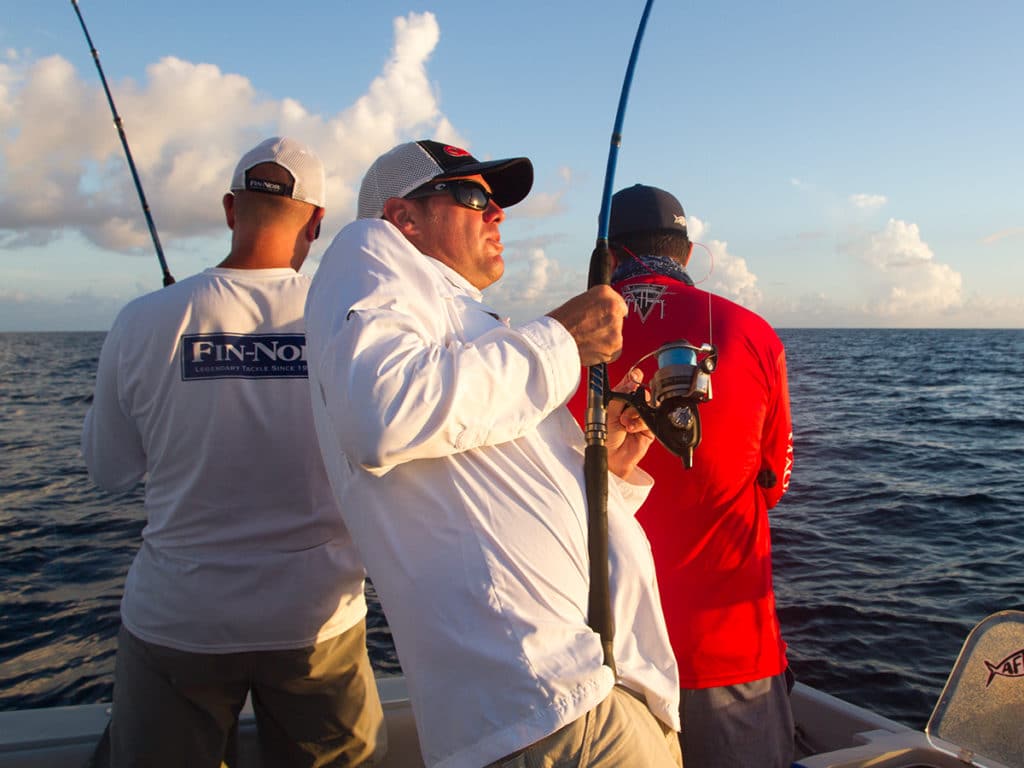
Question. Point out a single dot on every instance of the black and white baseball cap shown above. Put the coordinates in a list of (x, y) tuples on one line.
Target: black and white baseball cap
[(409, 166), (308, 178)]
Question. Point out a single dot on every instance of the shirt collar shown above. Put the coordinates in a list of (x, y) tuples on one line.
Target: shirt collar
[(456, 279), (638, 266)]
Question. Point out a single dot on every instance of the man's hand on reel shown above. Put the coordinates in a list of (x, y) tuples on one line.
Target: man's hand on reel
[(629, 437)]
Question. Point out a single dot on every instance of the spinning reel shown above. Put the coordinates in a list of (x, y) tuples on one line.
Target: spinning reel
[(669, 406)]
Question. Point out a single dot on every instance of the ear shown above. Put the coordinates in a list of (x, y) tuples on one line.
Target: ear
[(313, 225), (403, 213), (228, 201), (689, 253)]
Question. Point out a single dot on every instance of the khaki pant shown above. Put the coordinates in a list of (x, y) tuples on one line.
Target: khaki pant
[(620, 732), (315, 706)]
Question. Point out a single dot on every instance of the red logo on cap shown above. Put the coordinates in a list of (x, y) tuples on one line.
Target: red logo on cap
[(456, 151)]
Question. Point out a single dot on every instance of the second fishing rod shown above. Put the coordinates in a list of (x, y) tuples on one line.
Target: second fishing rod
[(167, 277)]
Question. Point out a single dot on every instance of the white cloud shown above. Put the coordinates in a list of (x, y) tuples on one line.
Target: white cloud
[(986, 312), (534, 283), (63, 174), (81, 310), (63, 168), (540, 205), (821, 311), (399, 103), (902, 277), (729, 275), (1010, 233), (902, 285), (537, 276), (868, 202)]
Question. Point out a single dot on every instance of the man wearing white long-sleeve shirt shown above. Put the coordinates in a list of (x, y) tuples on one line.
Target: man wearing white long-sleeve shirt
[(247, 580), (460, 475)]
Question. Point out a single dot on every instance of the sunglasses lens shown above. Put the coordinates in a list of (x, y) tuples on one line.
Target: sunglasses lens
[(468, 194), (471, 196)]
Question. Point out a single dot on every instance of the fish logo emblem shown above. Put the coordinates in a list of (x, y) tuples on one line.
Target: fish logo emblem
[(643, 298), (1011, 666)]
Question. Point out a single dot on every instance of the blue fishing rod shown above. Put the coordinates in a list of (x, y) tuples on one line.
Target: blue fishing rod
[(595, 465), (168, 279)]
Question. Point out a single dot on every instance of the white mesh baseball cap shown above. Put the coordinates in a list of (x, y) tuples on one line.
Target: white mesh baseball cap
[(409, 166), (308, 179)]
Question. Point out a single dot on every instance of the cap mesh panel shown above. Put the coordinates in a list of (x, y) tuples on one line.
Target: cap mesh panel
[(305, 167), (395, 174), (308, 173)]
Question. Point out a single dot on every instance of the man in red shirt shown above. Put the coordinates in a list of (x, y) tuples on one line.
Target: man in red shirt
[(708, 525)]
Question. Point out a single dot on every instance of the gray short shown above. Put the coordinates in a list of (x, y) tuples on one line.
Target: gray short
[(749, 725), (315, 706)]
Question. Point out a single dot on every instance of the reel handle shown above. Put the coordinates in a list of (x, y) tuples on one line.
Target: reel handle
[(669, 405), (675, 423)]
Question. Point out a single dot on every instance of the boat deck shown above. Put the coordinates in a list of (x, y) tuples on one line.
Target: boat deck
[(832, 733)]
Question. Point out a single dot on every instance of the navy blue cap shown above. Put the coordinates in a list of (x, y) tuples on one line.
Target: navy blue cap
[(645, 209)]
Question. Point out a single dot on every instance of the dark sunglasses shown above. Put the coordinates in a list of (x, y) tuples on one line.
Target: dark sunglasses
[(469, 194)]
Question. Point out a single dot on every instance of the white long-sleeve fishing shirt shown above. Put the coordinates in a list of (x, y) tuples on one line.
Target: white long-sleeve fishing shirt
[(460, 475), (201, 390)]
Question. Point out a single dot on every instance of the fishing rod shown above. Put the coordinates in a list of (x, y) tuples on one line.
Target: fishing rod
[(168, 279), (595, 462)]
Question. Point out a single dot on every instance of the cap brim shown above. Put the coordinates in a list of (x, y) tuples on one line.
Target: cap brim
[(510, 180)]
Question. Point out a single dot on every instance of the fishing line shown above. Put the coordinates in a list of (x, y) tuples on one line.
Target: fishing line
[(711, 265), (168, 279), (711, 269)]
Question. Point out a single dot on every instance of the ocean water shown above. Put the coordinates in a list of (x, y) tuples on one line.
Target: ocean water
[(903, 526)]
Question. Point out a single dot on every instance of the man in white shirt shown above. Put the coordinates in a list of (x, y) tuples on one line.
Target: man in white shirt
[(460, 475), (247, 579)]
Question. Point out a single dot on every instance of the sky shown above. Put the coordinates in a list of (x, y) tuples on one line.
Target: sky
[(841, 164)]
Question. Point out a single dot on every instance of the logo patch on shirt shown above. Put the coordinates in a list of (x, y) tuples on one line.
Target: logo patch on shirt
[(246, 356), (642, 298)]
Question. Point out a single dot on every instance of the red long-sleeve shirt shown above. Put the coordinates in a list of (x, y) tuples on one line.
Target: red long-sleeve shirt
[(708, 525)]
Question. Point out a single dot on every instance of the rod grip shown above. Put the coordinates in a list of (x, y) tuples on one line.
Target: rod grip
[(600, 264), (599, 612)]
